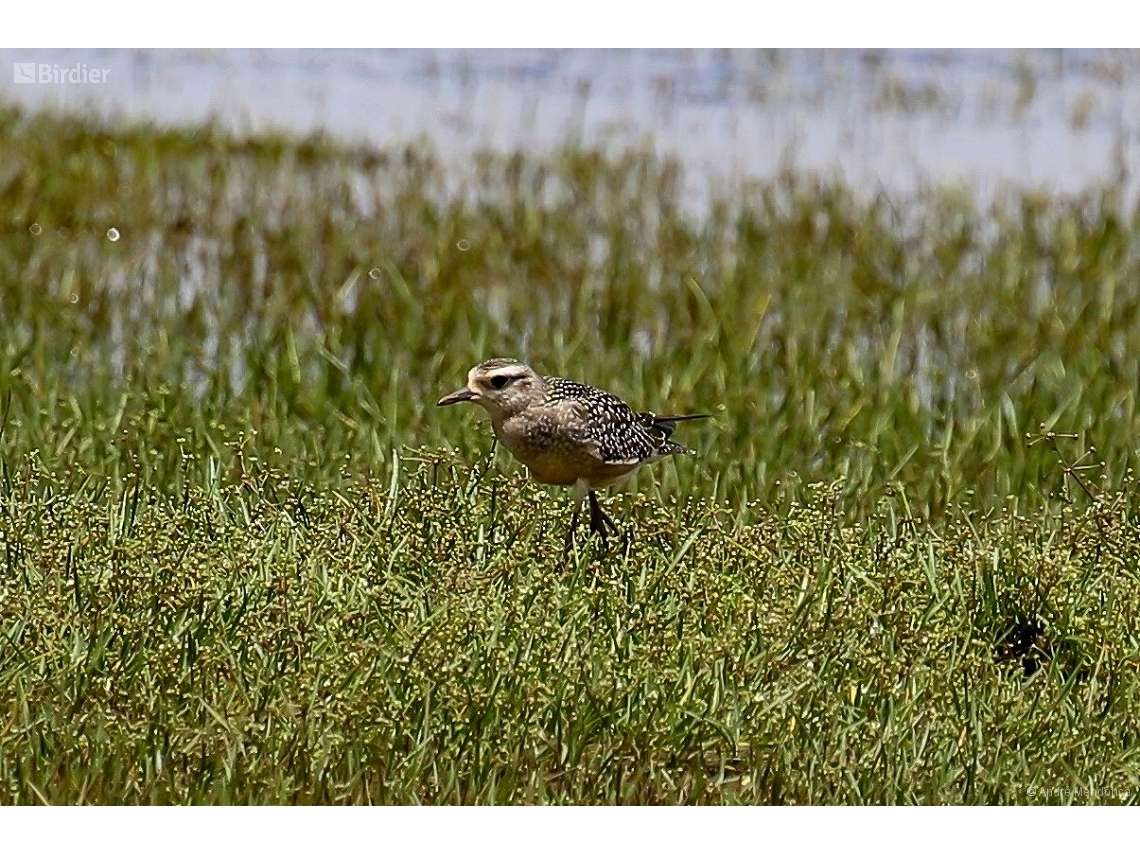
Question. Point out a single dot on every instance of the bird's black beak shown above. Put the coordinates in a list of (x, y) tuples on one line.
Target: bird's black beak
[(455, 397)]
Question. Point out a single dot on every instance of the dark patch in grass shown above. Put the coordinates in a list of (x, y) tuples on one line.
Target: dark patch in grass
[(1024, 641)]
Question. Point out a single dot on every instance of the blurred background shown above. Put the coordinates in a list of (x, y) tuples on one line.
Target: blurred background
[(890, 119), (883, 267)]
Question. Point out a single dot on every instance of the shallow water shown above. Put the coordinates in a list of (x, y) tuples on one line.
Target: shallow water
[(887, 121)]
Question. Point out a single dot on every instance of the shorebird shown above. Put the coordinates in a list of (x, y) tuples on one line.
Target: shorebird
[(568, 433)]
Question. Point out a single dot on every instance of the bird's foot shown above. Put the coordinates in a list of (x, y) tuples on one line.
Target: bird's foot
[(600, 522)]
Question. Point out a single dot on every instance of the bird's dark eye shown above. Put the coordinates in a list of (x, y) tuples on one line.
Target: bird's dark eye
[(500, 381)]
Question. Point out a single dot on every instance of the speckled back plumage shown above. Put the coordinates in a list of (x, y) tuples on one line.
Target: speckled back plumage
[(621, 435)]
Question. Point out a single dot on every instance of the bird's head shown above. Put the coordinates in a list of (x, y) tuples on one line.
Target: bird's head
[(503, 387)]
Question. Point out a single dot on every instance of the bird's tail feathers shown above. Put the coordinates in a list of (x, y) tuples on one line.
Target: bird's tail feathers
[(666, 424), (662, 419)]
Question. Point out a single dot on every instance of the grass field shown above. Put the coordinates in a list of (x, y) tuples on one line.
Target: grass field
[(246, 560)]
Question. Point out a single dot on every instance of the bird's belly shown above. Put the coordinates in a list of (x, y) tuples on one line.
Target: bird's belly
[(560, 469), (553, 453), (553, 471), (552, 464)]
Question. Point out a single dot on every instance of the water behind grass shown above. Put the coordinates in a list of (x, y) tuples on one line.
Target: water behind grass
[(881, 121)]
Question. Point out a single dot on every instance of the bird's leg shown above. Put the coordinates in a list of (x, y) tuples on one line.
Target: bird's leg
[(599, 519), (579, 496), (570, 532)]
